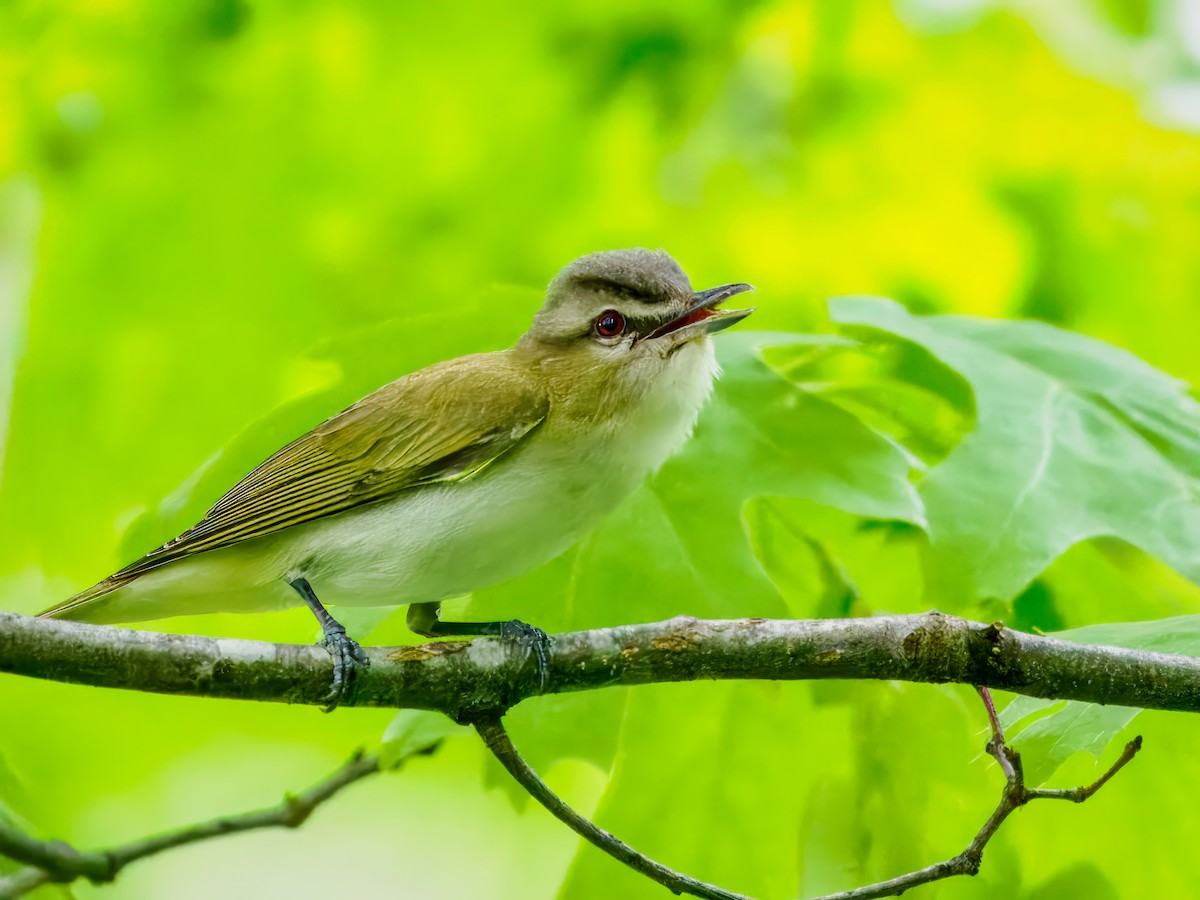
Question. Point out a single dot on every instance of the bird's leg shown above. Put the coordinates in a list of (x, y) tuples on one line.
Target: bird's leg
[(347, 654), (425, 619)]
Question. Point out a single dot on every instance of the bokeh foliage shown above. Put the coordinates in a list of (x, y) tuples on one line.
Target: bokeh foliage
[(216, 211)]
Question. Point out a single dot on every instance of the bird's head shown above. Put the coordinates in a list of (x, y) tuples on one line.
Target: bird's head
[(629, 312)]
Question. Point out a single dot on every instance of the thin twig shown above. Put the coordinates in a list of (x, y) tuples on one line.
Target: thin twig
[(491, 729), (1083, 792), (1014, 796), (997, 744), (55, 861)]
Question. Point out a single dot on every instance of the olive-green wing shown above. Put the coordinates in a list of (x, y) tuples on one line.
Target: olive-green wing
[(444, 423)]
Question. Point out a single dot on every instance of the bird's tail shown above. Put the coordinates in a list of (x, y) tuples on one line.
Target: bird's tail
[(86, 606)]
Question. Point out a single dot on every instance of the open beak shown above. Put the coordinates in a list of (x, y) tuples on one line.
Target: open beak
[(703, 317)]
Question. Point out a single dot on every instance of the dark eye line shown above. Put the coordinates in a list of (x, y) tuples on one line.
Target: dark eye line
[(635, 328), (616, 288), (621, 290)]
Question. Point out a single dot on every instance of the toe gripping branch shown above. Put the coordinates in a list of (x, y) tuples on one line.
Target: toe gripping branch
[(425, 619), (347, 655)]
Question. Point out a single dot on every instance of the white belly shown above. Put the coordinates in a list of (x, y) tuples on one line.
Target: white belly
[(443, 540), (448, 540)]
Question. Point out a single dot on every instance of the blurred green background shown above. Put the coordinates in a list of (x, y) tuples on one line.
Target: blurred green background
[(209, 209)]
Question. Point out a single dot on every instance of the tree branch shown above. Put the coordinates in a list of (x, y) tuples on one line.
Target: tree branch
[(497, 740), (477, 682), (1014, 796), (463, 679), (48, 861)]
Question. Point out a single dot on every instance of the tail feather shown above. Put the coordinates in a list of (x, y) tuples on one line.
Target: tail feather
[(214, 584), (83, 603)]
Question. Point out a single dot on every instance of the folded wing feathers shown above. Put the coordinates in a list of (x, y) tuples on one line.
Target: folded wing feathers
[(380, 446)]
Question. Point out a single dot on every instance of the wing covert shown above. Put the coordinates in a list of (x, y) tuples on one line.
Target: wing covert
[(443, 423)]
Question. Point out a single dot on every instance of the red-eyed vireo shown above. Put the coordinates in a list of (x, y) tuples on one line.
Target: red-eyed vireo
[(455, 477)]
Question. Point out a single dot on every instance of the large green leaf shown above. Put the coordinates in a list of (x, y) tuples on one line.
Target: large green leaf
[(1074, 439), (412, 732), (693, 788), (1048, 741), (680, 544)]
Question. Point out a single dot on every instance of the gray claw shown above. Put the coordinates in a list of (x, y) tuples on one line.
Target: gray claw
[(348, 656), (536, 640)]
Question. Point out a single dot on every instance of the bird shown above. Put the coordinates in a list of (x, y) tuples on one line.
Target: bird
[(455, 477)]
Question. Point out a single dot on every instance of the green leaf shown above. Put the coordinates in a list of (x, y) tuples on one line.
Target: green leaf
[(899, 390), (829, 564), (414, 731), (1077, 880), (693, 789), (1074, 439), (1047, 743), (681, 544), (1073, 726)]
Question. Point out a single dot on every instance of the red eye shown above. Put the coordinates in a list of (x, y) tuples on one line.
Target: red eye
[(610, 323)]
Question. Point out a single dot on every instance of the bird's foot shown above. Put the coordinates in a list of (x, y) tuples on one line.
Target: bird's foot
[(348, 657), (425, 619), (535, 640)]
